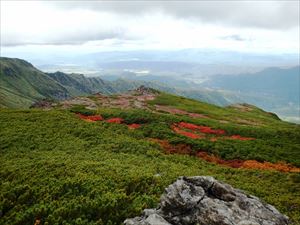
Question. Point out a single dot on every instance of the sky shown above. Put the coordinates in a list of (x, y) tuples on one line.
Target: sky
[(93, 26)]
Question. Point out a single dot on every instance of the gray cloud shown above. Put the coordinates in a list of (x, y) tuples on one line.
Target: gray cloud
[(77, 37), (260, 14)]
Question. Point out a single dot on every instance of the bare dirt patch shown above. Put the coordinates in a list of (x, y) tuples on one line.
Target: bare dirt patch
[(242, 107), (172, 110), (87, 102), (132, 99), (247, 122)]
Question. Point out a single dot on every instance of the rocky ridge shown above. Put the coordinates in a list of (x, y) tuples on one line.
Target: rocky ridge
[(202, 200)]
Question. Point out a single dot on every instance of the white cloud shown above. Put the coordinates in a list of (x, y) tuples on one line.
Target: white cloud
[(252, 13), (98, 26)]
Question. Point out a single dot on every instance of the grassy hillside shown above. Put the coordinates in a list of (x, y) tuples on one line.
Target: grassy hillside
[(59, 169), (21, 83), (78, 84)]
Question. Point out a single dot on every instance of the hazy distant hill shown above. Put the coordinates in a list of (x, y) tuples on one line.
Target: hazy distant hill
[(273, 89), (78, 84), (276, 81)]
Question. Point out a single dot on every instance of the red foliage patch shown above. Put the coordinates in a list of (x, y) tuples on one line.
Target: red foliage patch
[(183, 149), (134, 126), (217, 160), (281, 166), (236, 163), (112, 120), (238, 137), (186, 133), (249, 164), (196, 129), (90, 118), (115, 120), (202, 129)]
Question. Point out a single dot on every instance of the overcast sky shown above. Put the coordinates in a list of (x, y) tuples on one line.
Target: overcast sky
[(90, 26)]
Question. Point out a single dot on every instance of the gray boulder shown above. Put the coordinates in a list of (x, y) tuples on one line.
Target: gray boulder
[(202, 200)]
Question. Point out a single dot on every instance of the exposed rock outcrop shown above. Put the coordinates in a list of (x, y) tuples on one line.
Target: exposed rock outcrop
[(202, 200), (143, 90)]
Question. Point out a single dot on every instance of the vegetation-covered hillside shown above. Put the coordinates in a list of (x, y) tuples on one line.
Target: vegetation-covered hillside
[(21, 84), (101, 159), (276, 90)]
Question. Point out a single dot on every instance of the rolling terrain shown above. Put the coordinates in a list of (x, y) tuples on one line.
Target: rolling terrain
[(99, 159), (273, 89), (21, 84)]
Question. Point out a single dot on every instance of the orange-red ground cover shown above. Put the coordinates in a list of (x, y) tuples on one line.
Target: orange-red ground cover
[(236, 163), (90, 118), (249, 164), (111, 120), (115, 120), (202, 129), (238, 137), (199, 132), (186, 133), (173, 149)]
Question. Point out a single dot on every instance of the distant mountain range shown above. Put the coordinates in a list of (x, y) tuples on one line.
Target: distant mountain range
[(21, 84), (279, 82), (273, 89)]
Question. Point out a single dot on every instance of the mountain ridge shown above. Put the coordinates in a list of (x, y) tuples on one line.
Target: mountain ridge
[(70, 85)]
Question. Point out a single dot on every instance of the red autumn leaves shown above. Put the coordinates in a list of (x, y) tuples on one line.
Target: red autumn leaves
[(116, 120), (120, 121), (248, 164), (185, 149), (202, 129), (199, 132), (90, 118), (186, 129), (238, 137)]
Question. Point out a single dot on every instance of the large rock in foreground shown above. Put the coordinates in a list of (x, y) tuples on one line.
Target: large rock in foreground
[(205, 201)]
